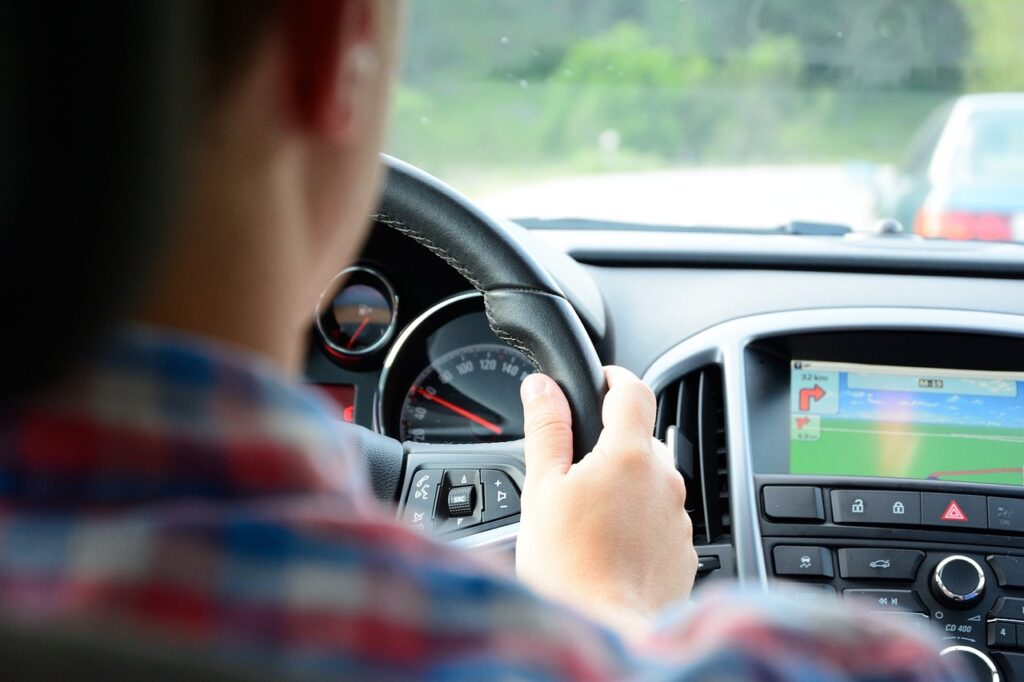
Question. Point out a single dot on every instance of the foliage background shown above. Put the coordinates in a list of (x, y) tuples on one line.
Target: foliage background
[(495, 91)]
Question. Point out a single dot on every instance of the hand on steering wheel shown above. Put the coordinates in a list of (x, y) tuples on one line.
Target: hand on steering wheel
[(609, 534)]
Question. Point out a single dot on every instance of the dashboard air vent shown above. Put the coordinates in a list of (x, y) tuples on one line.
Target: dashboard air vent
[(691, 421)]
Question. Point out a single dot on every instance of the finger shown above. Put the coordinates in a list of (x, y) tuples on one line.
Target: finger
[(629, 405), (548, 427)]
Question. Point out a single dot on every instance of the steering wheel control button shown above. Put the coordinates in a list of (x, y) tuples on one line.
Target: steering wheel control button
[(958, 581), (501, 499), (954, 511), (461, 500), (419, 505), (459, 477), (793, 503), (978, 666), (887, 600), (1009, 570), (1011, 608), (461, 508), (806, 562), (456, 523), (1006, 514), (879, 564), (877, 507), (1002, 634)]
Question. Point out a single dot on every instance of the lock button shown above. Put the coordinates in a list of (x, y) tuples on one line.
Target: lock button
[(877, 507)]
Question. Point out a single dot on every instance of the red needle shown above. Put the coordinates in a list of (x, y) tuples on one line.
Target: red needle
[(352, 339), (476, 419)]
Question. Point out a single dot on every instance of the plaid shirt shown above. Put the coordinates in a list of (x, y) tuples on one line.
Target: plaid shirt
[(190, 492)]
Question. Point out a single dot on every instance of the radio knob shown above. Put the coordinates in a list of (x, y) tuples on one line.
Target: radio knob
[(973, 662), (958, 581)]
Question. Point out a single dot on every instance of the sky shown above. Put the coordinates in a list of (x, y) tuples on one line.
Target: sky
[(931, 407)]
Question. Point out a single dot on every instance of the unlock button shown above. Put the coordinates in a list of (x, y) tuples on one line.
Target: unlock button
[(876, 507)]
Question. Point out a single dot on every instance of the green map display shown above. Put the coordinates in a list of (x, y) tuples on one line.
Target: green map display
[(906, 422)]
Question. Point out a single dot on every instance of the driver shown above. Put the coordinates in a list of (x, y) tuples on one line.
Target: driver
[(182, 484)]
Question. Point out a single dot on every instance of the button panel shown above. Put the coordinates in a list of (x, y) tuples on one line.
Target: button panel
[(1002, 634), (949, 511), (1012, 665), (451, 500), (811, 592), (1008, 608), (501, 499), (800, 560), (1009, 570), (1006, 514), (419, 505), (793, 503), (460, 477), (953, 510), (887, 600), (876, 507), (453, 523), (890, 569), (880, 563)]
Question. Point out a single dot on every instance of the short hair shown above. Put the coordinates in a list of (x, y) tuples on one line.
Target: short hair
[(99, 102)]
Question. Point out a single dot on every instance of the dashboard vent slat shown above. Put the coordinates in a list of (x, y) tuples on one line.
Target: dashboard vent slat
[(691, 420)]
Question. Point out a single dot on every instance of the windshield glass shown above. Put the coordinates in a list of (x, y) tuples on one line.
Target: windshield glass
[(723, 113)]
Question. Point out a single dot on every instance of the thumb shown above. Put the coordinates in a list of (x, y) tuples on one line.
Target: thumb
[(548, 427)]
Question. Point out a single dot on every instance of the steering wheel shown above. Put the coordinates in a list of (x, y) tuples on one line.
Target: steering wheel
[(524, 307)]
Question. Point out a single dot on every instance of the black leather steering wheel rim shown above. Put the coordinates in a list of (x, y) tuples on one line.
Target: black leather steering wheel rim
[(525, 306)]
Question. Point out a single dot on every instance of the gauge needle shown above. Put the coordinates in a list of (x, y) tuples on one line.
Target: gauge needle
[(352, 339), (476, 419)]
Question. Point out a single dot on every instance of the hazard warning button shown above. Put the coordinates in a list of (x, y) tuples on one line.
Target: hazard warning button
[(954, 511)]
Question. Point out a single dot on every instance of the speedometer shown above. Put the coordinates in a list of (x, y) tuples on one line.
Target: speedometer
[(469, 395)]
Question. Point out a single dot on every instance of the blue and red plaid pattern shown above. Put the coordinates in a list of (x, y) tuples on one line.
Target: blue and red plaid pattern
[(188, 491)]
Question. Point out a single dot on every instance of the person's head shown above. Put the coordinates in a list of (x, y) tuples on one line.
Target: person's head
[(161, 159)]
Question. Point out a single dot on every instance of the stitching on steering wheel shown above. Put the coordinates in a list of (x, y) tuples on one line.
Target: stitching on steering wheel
[(508, 338), (414, 234), (498, 330)]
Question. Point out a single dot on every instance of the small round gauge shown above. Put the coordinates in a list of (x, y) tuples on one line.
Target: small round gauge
[(357, 312), (469, 395)]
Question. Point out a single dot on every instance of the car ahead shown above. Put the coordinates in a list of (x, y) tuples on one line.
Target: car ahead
[(963, 176)]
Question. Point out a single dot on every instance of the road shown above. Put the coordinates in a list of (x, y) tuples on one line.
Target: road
[(754, 196)]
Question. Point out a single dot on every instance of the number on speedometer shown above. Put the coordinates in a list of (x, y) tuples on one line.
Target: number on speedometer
[(470, 395)]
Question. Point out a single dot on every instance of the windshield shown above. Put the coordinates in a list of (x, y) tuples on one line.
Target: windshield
[(723, 113)]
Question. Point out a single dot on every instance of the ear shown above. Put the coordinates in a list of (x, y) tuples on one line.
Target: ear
[(332, 65)]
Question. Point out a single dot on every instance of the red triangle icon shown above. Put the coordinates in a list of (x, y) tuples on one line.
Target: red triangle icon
[(954, 513)]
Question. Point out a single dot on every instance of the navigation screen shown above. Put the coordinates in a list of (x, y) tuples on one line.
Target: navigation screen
[(906, 422)]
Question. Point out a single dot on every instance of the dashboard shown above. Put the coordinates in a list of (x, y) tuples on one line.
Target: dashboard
[(848, 415), (404, 348)]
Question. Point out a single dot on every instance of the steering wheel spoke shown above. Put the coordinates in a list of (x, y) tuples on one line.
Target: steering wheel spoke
[(468, 494)]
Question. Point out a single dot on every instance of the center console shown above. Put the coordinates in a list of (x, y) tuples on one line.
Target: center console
[(880, 462), (901, 482)]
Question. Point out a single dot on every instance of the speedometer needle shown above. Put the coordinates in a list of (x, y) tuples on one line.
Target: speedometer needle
[(462, 412)]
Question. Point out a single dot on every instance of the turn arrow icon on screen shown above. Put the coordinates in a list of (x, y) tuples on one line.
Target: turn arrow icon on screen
[(809, 394)]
